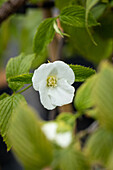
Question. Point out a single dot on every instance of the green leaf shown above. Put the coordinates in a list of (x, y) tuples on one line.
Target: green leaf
[(24, 78), (61, 4), (18, 66), (83, 99), (29, 143), (98, 10), (89, 5), (81, 72), (100, 146), (75, 16), (106, 29), (80, 38), (3, 96), (39, 59), (7, 111), (44, 35), (70, 159), (103, 96), (59, 31)]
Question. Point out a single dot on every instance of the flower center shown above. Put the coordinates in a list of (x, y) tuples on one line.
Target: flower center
[(51, 81)]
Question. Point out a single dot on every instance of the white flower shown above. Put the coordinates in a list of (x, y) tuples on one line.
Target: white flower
[(49, 130), (53, 81), (62, 139)]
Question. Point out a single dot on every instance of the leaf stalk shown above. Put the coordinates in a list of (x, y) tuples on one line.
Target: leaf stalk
[(21, 91)]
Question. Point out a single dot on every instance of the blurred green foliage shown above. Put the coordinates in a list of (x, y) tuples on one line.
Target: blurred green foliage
[(21, 28), (85, 22)]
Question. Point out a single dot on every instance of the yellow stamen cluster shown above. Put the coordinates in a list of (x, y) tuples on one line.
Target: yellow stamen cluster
[(51, 81)]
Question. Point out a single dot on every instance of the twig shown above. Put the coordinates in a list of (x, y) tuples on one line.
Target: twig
[(10, 7), (3, 82)]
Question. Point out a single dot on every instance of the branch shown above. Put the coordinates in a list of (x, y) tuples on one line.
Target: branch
[(12, 6), (9, 8)]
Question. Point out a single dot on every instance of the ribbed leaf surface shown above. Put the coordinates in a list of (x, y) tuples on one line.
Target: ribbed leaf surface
[(75, 16), (81, 72), (7, 111), (44, 36), (24, 78), (29, 142), (18, 66)]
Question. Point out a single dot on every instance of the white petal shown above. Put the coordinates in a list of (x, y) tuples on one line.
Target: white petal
[(63, 139), (64, 71), (42, 73), (44, 97), (49, 130), (62, 94)]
